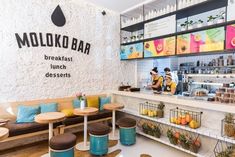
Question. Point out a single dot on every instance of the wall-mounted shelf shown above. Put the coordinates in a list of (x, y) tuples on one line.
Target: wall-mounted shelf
[(211, 75), (207, 83)]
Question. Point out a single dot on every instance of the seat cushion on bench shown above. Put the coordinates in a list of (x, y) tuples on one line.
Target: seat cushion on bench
[(80, 119), (25, 128)]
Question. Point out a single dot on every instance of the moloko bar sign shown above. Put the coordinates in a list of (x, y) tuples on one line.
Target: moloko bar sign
[(33, 39)]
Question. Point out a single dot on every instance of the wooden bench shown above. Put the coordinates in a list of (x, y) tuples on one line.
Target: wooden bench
[(9, 111)]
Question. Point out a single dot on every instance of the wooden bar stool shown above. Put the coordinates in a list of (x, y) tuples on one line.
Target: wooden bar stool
[(113, 107)]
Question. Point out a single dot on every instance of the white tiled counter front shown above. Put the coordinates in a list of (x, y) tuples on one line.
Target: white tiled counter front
[(212, 115)]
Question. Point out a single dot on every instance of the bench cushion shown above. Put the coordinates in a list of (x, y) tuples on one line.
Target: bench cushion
[(63, 142)]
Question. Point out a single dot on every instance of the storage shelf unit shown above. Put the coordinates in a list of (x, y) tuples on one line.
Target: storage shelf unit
[(201, 131), (192, 10)]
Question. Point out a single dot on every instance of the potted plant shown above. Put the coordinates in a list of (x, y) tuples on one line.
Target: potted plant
[(210, 20), (170, 134), (229, 129), (81, 97), (124, 39), (160, 111), (184, 141), (220, 17), (183, 26), (199, 23), (190, 24)]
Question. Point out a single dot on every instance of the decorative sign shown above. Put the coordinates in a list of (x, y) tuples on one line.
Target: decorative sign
[(230, 37), (203, 41), (160, 47), (38, 39), (160, 27), (132, 51)]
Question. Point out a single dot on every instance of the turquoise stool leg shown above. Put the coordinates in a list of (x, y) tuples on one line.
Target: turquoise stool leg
[(99, 144), (127, 136), (62, 153)]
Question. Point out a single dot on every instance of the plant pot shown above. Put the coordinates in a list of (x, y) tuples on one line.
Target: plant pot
[(229, 129), (82, 104), (160, 113), (220, 20), (190, 27), (183, 29), (210, 23), (199, 25)]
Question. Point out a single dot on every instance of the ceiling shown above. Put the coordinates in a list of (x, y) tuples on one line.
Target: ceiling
[(117, 5)]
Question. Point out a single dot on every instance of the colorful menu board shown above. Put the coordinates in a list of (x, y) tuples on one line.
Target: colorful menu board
[(230, 37), (203, 41), (160, 47), (132, 51)]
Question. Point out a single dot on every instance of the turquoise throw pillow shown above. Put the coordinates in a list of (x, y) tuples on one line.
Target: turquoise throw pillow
[(51, 107), (26, 114), (76, 103), (103, 101)]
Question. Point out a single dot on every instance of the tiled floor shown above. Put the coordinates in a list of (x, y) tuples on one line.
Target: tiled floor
[(142, 146)]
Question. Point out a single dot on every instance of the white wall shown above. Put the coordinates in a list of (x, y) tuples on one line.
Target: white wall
[(22, 72)]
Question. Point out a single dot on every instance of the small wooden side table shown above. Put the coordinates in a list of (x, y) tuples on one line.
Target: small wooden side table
[(87, 111), (49, 118), (113, 107), (4, 133)]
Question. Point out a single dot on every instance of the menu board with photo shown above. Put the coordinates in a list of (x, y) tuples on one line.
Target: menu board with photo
[(160, 47), (132, 51), (203, 41), (230, 37)]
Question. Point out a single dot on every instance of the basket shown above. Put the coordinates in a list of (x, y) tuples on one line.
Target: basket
[(185, 117), (224, 149)]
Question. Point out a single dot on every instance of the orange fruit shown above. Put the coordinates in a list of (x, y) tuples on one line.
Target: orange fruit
[(188, 118)]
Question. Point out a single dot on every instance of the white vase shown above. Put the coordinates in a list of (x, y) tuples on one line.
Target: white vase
[(220, 20), (82, 104), (199, 25), (210, 23), (183, 28), (190, 27)]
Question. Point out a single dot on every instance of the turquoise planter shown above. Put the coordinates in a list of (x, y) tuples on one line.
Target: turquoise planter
[(127, 135), (99, 144), (62, 153)]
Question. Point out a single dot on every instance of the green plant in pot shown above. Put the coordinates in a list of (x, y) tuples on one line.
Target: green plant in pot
[(160, 111), (170, 134), (220, 17), (184, 141), (183, 26), (190, 24), (229, 129), (199, 23), (210, 20)]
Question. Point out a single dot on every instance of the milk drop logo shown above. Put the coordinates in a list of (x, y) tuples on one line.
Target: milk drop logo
[(57, 17), (42, 39)]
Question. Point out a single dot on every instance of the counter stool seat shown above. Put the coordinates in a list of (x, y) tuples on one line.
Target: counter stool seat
[(127, 131), (126, 122), (63, 145), (98, 129), (98, 138)]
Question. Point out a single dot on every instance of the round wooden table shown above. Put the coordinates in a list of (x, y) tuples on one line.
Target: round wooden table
[(113, 107), (4, 133), (49, 118), (87, 111)]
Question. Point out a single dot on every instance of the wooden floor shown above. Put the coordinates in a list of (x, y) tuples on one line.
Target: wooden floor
[(38, 149)]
